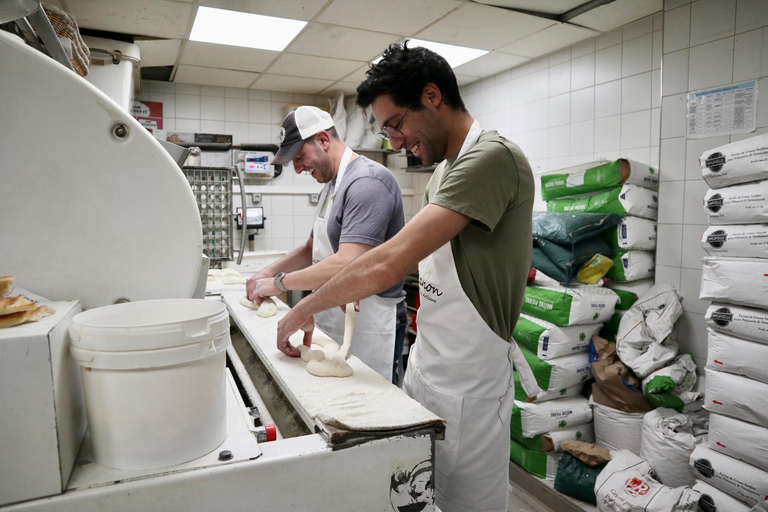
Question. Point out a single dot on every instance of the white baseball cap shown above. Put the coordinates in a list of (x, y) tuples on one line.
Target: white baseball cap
[(298, 126)]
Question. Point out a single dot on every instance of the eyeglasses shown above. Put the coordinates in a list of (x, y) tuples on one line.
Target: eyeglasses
[(394, 131)]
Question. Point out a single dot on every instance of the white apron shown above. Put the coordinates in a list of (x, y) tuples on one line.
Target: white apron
[(374, 339), (461, 370)]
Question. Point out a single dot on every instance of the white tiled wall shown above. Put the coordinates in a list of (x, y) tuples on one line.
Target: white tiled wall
[(252, 116), (707, 43), (597, 99)]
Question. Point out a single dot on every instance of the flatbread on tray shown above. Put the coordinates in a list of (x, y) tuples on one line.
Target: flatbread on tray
[(25, 316), (16, 304)]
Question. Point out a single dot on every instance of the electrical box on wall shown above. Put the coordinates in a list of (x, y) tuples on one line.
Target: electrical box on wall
[(256, 164)]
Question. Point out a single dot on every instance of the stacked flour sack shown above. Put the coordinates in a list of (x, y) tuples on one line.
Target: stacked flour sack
[(643, 370), (622, 187), (733, 468), (553, 334)]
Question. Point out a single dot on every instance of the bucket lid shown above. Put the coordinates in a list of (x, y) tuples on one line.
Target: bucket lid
[(149, 325)]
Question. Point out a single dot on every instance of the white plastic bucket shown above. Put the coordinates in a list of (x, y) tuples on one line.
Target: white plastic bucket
[(153, 379)]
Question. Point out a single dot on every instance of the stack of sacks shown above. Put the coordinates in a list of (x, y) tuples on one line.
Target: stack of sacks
[(565, 242), (553, 334), (668, 439), (537, 429), (734, 276), (628, 292), (641, 370), (622, 187), (619, 404), (747, 485)]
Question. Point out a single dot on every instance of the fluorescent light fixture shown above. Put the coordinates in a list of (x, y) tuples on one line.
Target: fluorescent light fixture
[(235, 28), (455, 55)]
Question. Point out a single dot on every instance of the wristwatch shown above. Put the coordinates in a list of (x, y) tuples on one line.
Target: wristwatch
[(279, 282)]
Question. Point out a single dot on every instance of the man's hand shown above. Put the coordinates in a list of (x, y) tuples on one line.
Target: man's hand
[(295, 319), (260, 286)]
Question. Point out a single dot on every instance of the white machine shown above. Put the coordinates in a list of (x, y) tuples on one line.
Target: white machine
[(92, 211)]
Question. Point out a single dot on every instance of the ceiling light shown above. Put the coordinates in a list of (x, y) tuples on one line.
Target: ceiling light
[(244, 29), (455, 55)]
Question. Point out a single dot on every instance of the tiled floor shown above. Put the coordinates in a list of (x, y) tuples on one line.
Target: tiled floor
[(519, 501)]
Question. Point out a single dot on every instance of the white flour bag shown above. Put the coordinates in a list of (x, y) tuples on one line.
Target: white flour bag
[(739, 439), (739, 204), (734, 355), (741, 240), (627, 484), (737, 162), (735, 477), (714, 499), (737, 397), (735, 280), (668, 440), (740, 321)]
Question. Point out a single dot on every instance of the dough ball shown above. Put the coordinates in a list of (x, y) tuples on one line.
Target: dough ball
[(267, 309), (335, 367), (248, 303), (308, 354)]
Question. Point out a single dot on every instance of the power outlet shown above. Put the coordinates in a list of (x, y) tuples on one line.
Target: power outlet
[(256, 198), (314, 198)]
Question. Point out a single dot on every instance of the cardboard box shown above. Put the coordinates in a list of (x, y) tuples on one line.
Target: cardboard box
[(43, 413)]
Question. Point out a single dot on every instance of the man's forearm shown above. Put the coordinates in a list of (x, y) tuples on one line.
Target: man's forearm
[(315, 276), (363, 277)]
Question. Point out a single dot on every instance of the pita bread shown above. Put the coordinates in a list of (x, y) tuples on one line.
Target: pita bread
[(10, 305), (6, 283), (25, 316)]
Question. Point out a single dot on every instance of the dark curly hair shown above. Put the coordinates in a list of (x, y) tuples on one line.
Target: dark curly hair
[(402, 74)]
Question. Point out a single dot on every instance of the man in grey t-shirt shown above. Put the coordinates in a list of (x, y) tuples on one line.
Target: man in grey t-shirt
[(361, 207)]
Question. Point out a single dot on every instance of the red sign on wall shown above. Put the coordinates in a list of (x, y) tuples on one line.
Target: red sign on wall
[(149, 114)]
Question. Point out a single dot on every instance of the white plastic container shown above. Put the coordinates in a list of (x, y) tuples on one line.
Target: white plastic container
[(153, 378)]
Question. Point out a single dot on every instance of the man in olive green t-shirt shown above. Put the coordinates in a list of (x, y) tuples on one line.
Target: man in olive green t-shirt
[(472, 242), (493, 253)]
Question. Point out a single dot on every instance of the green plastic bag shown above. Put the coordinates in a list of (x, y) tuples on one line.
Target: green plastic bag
[(571, 258), (569, 228), (576, 479), (543, 264), (627, 298)]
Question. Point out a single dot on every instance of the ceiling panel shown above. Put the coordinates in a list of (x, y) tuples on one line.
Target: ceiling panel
[(550, 6), (614, 15), (549, 40), (156, 18), (359, 75), (159, 52), (313, 67), (213, 76), (348, 88), (480, 26), (304, 10), (294, 84), (340, 42), (465, 79), (226, 57), (403, 17), (490, 64)]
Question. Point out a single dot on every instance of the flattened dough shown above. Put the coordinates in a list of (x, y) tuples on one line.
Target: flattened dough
[(336, 367), (267, 308)]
